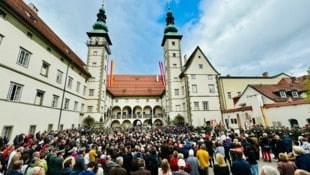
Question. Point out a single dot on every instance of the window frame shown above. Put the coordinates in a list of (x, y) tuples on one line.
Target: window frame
[(295, 94), (282, 94), (205, 105), (40, 98), (196, 105), (70, 82), (211, 88), (45, 74), (66, 104), (59, 76), (13, 93), (194, 88), (23, 58), (55, 101), (1, 38)]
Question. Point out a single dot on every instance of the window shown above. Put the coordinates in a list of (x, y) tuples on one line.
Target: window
[(95, 52), (45, 68), (1, 38), (55, 101), (61, 127), (82, 107), (210, 77), (32, 129), (194, 88), (92, 79), (193, 77), (174, 55), (15, 91), (7, 131), (239, 93), (295, 94), (177, 108), (75, 105), (23, 57), (78, 85), (174, 65), (175, 78), (173, 43), (84, 90), (200, 66), (282, 94), (211, 88), (94, 64), (196, 105), (59, 76), (205, 105), (39, 97), (49, 127), (67, 101), (183, 106), (176, 91), (229, 95), (70, 81), (90, 108), (91, 92)]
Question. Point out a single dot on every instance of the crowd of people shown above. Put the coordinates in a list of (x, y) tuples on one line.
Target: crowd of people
[(169, 150)]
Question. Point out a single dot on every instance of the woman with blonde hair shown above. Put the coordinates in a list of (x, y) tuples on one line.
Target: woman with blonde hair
[(164, 168), (285, 166), (67, 165), (220, 168)]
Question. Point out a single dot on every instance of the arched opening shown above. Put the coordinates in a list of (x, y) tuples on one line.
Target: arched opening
[(294, 123), (179, 120), (137, 123), (115, 124), (158, 122), (127, 124), (89, 121)]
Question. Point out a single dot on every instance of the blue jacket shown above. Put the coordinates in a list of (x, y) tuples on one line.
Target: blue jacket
[(240, 167), (302, 162)]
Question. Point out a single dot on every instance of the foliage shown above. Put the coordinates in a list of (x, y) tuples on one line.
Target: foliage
[(307, 85)]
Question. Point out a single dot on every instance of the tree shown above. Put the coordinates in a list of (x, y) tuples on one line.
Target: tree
[(307, 85)]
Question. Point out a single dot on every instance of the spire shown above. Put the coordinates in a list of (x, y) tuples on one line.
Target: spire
[(170, 27), (100, 25)]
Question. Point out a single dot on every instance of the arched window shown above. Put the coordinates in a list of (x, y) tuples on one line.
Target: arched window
[(294, 123)]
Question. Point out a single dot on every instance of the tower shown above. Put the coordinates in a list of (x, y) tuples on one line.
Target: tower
[(171, 44), (97, 64)]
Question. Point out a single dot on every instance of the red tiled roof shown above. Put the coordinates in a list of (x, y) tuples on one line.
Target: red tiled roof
[(287, 103), (31, 18), (246, 108), (136, 85)]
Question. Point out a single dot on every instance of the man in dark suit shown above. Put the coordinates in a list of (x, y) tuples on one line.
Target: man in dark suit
[(141, 170)]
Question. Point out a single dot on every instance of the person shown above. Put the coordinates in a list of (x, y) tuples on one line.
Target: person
[(301, 160), (38, 171), (265, 145), (240, 166), (91, 169), (203, 158), (17, 166), (68, 165), (92, 154), (193, 162), (173, 161), (251, 158), (220, 168), (269, 170), (141, 168), (118, 169), (301, 172), (164, 168), (285, 166), (181, 165), (79, 164)]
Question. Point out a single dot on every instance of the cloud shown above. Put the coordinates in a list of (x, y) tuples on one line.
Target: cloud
[(250, 37)]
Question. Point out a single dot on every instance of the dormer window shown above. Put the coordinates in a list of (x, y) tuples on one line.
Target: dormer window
[(282, 94), (295, 94)]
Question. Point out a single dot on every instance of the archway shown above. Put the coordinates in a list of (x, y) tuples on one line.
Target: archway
[(137, 123), (127, 124), (158, 122), (115, 124), (179, 120), (294, 123), (89, 121)]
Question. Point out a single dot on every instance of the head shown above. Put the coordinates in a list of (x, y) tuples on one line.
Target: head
[(119, 160), (269, 170), (17, 165), (283, 157), (191, 152), (140, 163), (181, 163), (298, 150), (165, 166), (68, 162), (220, 159)]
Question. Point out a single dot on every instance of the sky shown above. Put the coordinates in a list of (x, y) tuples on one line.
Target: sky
[(240, 38)]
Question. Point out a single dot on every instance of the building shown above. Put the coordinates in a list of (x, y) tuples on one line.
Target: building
[(47, 86), (275, 105)]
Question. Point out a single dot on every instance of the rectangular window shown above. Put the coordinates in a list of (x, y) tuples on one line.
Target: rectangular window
[(32, 129), (94, 64), (91, 92), (75, 107), (15, 91), (282, 94), (55, 101), (176, 91), (92, 79), (70, 82), (205, 105), (200, 66), (173, 43), (196, 105), (59, 76), (23, 57), (194, 88), (49, 127), (211, 88), (78, 85), (229, 95), (177, 108), (174, 55), (193, 77), (210, 77), (39, 98), (295, 94), (84, 90), (90, 108), (1, 38), (44, 69), (82, 107), (66, 105), (7, 131)]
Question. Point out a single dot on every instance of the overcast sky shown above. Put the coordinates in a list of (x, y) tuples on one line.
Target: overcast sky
[(240, 38)]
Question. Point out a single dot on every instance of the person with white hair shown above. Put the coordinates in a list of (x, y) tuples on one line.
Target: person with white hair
[(302, 160), (118, 169), (269, 170), (193, 162)]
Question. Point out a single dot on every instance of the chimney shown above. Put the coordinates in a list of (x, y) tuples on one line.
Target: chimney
[(265, 74), (33, 8), (157, 78)]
